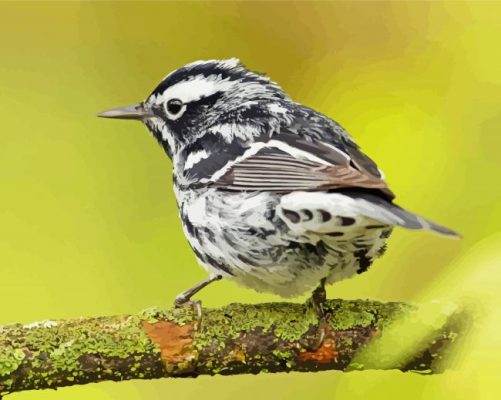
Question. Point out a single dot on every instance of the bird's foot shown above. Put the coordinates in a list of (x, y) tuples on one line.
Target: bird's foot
[(195, 305), (184, 299), (314, 343), (316, 303)]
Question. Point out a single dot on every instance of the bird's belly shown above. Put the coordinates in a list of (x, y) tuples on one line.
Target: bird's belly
[(241, 236)]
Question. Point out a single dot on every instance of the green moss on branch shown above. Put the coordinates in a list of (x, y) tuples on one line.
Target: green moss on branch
[(234, 339)]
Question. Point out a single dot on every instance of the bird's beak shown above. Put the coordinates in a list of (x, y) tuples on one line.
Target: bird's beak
[(137, 111)]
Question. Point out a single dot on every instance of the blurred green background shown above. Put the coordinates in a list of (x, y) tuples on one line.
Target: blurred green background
[(88, 222)]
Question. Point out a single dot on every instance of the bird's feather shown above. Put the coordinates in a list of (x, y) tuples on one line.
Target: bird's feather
[(288, 162)]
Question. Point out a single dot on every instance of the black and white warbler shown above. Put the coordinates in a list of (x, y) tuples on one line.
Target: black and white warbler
[(271, 194)]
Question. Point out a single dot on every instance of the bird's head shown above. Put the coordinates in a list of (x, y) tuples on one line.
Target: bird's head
[(193, 99)]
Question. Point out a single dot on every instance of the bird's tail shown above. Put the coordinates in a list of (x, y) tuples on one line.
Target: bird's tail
[(391, 213)]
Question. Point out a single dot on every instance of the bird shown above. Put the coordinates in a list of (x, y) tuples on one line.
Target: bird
[(272, 194)]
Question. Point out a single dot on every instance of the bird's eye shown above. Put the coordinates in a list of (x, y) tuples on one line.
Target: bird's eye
[(174, 106)]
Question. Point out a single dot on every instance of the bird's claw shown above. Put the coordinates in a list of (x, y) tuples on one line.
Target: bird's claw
[(195, 305), (320, 333), (317, 303)]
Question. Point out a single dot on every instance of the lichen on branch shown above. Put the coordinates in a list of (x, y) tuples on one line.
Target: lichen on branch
[(238, 338)]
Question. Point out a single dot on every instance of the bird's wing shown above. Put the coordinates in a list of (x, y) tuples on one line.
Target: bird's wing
[(288, 162)]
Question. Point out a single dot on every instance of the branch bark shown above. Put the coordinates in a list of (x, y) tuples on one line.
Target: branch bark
[(236, 339)]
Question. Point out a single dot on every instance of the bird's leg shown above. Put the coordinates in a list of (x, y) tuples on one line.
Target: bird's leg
[(317, 303), (184, 298)]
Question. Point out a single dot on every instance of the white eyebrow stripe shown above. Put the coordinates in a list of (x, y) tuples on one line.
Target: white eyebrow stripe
[(195, 88)]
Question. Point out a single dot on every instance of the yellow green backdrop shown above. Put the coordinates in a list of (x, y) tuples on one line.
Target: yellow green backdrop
[(88, 222)]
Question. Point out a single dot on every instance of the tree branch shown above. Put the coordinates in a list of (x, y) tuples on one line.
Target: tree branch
[(235, 339)]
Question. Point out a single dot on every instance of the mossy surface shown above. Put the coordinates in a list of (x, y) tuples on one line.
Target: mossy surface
[(288, 321), (234, 339), (291, 321), (46, 353), (180, 316), (273, 336), (365, 313)]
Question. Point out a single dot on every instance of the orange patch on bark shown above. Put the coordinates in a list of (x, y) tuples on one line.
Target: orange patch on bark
[(325, 354), (175, 341), (238, 355)]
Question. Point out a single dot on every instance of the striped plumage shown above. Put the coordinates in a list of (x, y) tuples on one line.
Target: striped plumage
[(272, 194)]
